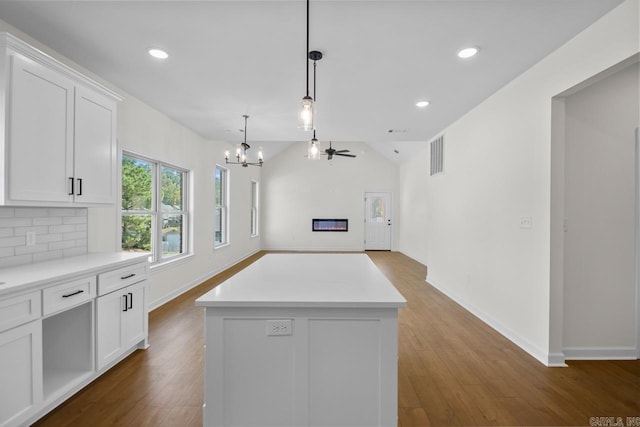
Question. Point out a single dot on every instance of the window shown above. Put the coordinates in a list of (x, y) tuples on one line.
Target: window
[(154, 208), (222, 203), (254, 208)]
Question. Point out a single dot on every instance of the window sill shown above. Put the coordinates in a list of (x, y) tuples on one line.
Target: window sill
[(171, 262), (220, 246)]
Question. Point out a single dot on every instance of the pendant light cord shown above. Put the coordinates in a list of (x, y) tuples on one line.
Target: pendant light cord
[(307, 56)]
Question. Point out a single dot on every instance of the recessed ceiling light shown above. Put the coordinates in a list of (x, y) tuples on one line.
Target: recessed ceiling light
[(158, 53), (468, 52), (422, 104)]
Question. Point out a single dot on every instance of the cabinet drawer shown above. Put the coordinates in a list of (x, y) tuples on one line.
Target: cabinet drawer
[(15, 311), (125, 276), (68, 294)]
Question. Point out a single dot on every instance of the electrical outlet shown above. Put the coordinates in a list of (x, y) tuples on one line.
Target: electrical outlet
[(526, 222), (279, 327), (31, 238)]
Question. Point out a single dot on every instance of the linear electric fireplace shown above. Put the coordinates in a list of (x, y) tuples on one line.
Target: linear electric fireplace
[(333, 224)]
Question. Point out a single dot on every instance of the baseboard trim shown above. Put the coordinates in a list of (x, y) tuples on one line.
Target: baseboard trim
[(192, 284), (550, 360), (415, 258), (600, 353)]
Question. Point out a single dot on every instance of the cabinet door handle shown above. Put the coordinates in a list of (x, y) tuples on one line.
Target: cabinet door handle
[(79, 186), (127, 276), (130, 301), (73, 293), (126, 303), (72, 182)]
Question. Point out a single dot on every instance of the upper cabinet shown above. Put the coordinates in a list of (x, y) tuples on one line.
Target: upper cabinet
[(59, 142)]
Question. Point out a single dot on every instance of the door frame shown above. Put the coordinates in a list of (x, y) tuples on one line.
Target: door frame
[(390, 210), (637, 206)]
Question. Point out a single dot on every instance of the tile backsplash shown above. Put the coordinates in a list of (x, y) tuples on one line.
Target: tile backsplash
[(59, 233)]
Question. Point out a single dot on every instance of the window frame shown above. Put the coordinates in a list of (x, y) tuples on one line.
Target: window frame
[(254, 218), (224, 207), (156, 212)]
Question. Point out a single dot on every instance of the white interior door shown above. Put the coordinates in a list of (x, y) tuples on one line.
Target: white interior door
[(377, 221)]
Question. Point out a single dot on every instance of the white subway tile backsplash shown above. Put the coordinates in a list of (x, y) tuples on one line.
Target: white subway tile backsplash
[(6, 242), (74, 220), (5, 252), (31, 212), (15, 222), (46, 238), (60, 232), (63, 244), (63, 211), (62, 228), (21, 250), (21, 231), (50, 220), (76, 235)]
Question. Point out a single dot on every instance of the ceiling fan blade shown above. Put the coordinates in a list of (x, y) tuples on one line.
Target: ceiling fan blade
[(344, 155), (342, 151)]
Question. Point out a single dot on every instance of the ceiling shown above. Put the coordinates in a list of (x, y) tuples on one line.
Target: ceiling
[(229, 58)]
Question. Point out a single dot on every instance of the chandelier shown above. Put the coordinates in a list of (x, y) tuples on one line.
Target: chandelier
[(241, 152)]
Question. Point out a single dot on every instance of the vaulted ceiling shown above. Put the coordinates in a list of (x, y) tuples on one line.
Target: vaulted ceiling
[(229, 58)]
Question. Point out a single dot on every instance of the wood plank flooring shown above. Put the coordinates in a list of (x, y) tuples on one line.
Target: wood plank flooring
[(453, 370)]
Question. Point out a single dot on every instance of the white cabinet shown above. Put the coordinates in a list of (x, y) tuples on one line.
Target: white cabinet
[(95, 154), (40, 133), (56, 336), (60, 140), (21, 356), (121, 321)]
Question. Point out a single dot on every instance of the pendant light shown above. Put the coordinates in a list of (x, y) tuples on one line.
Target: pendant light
[(241, 152), (313, 151), (307, 108)]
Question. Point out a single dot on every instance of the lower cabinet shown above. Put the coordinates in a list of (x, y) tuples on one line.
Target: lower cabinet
[(121, 322), (20, 373), (59, 336)]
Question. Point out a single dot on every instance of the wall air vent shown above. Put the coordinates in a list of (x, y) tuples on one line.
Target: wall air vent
[(437, 155)]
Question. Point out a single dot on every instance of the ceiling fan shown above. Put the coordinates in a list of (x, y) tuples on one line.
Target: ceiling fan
[(330, 152)]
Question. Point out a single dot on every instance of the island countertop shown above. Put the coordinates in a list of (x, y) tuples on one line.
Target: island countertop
[(307, 280)]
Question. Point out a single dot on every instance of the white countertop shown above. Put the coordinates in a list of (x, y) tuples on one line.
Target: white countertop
[(28, 276), (306, 280)]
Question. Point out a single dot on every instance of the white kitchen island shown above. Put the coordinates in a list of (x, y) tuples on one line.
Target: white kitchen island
[(302, 340)]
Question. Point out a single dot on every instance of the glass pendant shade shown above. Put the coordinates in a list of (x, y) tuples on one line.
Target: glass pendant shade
[(306, 114), (314, 149)]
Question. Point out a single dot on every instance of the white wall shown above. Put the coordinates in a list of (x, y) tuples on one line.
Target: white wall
[(145, 131), (497, 168), (599, 244), (296, 190)]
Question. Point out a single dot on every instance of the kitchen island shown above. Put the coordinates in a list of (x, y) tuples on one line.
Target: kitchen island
[(302, 340)]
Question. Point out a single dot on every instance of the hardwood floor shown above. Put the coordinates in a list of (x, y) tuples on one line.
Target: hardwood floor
[(453, 370)]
